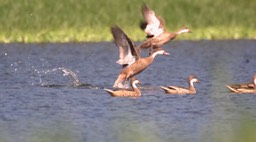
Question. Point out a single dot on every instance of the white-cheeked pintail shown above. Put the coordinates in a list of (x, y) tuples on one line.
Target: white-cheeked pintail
[(133, 92), (243, 87), (181, 90), (132, 63), (155, 29)]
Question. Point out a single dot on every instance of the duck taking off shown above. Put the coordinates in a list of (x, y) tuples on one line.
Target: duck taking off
[(132, 63)]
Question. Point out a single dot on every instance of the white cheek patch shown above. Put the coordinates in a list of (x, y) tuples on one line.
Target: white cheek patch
[(158, 52), (134, 83), (192, 81), (183, 31), (254, 81)]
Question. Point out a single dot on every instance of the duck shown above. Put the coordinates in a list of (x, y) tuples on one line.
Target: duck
[(128, 53), (137, 67), (243, 87), (181, 90), (134, 91), (129, 57), (154, 27)]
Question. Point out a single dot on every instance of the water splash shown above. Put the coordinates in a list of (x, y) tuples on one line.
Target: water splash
[(66, 72), (75, 82), (72, 75), (36, 74)]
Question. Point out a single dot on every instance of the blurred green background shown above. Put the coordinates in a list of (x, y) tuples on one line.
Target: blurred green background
[(90, 20)]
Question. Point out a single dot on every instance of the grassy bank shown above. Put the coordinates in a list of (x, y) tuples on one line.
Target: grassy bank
[(89, 20)]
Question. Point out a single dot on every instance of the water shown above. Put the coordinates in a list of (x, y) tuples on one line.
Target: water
[(54, 92)]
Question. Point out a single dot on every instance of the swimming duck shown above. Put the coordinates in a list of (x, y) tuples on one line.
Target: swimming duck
[(132, 63), (133, 92), (155, 29), (244, 87), (180, 90)]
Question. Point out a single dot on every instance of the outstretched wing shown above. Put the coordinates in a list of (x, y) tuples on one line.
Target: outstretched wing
[(154, 25), (127, 51)]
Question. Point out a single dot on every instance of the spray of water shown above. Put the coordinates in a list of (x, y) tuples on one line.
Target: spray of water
[(38, 75), (66, 72), (72, 75)]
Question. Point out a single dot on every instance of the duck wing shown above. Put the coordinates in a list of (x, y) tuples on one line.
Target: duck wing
[(177, 88), (242, 85), (173, 87), (153, 25), (127, 51)]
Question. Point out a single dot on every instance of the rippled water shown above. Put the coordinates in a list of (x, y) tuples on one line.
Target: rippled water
[(55, 92)]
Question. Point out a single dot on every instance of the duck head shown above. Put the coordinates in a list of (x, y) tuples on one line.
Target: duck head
[(160, 51), (183, 30), (192, 79), (133, 79), (136, 81)]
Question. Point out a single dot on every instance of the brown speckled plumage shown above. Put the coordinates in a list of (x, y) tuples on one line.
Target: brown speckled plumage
[(180, 90), (133, 92), (137, 67), (243, 87)]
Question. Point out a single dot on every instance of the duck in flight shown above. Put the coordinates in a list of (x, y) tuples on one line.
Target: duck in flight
[(154, 27), (129, 57)]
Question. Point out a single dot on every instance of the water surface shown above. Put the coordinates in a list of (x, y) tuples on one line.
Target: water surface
[(55, 92)]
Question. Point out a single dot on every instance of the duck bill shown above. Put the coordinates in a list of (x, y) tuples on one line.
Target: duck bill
[(166, 53)]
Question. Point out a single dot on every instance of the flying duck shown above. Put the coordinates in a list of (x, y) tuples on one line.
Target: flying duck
[(129, 58), (155, 29)]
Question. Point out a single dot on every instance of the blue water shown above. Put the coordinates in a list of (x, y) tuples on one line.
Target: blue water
[(54, 92)]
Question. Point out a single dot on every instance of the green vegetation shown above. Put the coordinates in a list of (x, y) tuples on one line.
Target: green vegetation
[(89, 20), (238, 130)]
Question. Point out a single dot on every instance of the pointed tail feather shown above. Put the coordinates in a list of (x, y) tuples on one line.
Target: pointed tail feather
[(109, 91), (164, 88), (232, 89)]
